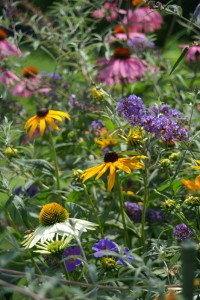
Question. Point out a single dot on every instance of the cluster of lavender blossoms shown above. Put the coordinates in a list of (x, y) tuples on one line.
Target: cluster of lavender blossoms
[(164, 122), (134, 211)]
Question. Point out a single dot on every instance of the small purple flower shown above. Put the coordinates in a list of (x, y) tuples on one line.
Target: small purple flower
[(73, 102), (155, 215), (53, 75), (32, 190), (97, 125), (104, 244), (18, 191), (126, 256), (134, 211), (105, 150), (73, 262), (182, 232)]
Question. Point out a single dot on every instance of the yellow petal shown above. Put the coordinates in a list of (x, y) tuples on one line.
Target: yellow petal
[(33, 127), (105, 168), (29, 122), (56, 117), (42, 126), (51, 122), (122, 167), (197, 181), (59, 113), (111, 179), (196, 167), (91, 172)]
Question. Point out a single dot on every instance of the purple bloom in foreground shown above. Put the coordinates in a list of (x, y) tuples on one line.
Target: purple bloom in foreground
[(104, 244), (73, 262), (134, 211), (182, 232)]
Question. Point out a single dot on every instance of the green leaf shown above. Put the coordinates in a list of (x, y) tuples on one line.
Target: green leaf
[(184, 52)]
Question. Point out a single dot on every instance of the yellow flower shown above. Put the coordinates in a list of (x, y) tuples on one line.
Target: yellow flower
[(111, 162), (192, 185), (134, 137), (42, 117), (98, 94), (196, 167), (106, 140)]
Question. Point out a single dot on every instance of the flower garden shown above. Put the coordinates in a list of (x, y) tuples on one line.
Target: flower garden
[(100, 150)]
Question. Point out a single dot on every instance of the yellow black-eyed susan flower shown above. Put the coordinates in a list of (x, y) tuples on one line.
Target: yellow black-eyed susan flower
[(111, 163), (42, 117), (106, 140), (54, 222)]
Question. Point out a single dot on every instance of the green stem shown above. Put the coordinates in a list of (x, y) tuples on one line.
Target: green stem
[(145, 205), (35, 265), (121, 203), (55, 160)]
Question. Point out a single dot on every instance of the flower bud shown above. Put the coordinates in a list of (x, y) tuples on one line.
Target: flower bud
[(108, 263), (11, 152)]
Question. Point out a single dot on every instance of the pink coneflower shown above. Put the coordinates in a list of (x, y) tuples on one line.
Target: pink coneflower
[(193, 53), (110, 12), (122, 33), (143, 19), (8, 78), (6, 48), (120, 68), (29, 84)]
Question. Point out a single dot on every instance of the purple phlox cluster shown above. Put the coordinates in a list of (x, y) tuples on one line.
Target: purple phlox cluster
[(155, 215), (134, 211), (97, 125), (106, 244), (140, 43), (70, 259), (164, 122), (182, 232), (30, 191)]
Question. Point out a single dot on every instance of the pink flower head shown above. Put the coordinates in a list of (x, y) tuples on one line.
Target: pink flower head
[(121, 33), (143, 19), (193, 54), (8, 78), (110, 12), (6, 48), (29, 84), (120, 68)]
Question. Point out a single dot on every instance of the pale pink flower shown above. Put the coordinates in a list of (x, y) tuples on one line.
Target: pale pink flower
[(6, 48), (8, 78), (120, 68), (30, 84), (143, 19), (110, 12)]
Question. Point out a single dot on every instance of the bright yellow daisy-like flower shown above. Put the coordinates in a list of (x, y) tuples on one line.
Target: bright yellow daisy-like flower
[(42, 117), (192, 185), (196, 167), (106, 140), (111, 163)]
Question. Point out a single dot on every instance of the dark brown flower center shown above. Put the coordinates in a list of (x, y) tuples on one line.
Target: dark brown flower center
[(42, 112), (3, 35), (110, 157), (122, 53), (29, 72)]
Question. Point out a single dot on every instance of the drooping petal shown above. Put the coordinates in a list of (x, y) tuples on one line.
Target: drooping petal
[(33, 127), (59, 113), (42, 126), (122, 166), (88, 173), (29, 122), (104, 169), (51, 122), (197, 181), (111, 178)]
